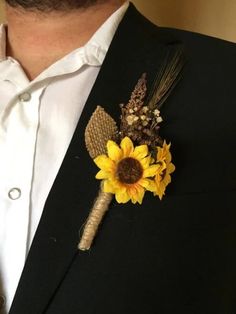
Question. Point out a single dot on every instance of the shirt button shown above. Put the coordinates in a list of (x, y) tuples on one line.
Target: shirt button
[(25, 97), (2, 301), (14, 194)]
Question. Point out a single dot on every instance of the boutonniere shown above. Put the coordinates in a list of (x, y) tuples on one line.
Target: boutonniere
[(132, 159)]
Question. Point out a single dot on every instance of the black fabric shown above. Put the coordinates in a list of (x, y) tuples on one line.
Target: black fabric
[(177, 255)]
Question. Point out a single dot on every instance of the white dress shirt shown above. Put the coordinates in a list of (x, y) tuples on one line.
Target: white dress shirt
[(37, 121)]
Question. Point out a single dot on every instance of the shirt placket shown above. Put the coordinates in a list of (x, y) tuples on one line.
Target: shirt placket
[(18, 136)]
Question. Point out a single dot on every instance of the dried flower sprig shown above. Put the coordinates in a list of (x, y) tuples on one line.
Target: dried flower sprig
[(138, 121)]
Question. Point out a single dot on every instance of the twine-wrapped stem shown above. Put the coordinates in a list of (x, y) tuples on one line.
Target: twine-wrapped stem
[(97, 212)]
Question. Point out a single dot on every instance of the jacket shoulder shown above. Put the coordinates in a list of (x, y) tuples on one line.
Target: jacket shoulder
[(167, 35), (196, 42)]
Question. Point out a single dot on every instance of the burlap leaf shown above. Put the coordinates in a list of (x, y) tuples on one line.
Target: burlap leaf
[(101, 128)]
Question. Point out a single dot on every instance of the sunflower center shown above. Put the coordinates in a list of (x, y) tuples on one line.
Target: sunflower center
[(129, 170)]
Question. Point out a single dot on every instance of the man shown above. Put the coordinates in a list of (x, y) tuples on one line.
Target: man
[(59, 61)]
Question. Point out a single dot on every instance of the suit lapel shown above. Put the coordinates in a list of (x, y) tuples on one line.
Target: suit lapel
[(55, 243)]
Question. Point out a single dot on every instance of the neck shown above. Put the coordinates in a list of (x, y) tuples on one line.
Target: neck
[(37, 40)]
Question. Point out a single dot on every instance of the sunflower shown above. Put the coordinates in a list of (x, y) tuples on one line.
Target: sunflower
[(163, 178), (126, 171)]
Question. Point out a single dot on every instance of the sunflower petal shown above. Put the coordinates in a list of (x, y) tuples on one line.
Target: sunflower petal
[(140, 197), (148, 184), (122, 197), (114, 152), (151, 171), (136, 194), (102, 175), (127, 146), (140, 152), (108, 187), (166, 180), (145, 162), (160, 154), (160, 190), (171, 168), (104, 163)]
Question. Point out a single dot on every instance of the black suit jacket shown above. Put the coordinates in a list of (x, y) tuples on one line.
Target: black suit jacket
[(177, 255)]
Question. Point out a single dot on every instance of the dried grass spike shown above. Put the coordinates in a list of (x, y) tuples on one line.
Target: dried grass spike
[(167, 77), (101, 128)]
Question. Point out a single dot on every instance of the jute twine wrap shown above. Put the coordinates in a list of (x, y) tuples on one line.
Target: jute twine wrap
[(100, 129), (99, 209)]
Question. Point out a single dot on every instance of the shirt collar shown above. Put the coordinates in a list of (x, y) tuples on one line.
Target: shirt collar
[(97, 45), (101, 40), (92, 53)]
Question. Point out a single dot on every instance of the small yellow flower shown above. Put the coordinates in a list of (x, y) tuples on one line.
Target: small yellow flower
[(126, 171), (163, 178)]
